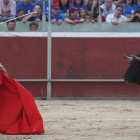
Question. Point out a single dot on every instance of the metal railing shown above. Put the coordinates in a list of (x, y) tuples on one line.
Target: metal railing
[(82, 27), (70, 80)]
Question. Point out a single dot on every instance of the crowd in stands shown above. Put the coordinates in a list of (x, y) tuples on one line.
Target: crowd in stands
[(69, 11)]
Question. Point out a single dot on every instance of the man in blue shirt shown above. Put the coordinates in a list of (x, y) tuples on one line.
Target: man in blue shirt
[(46, 6), (20, 13), (36, 16), (26, 5), (55, 16)]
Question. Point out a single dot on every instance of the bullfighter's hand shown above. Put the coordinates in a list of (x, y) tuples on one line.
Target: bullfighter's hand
[(2, 69)]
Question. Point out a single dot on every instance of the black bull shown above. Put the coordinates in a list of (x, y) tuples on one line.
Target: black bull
[(133, 72)]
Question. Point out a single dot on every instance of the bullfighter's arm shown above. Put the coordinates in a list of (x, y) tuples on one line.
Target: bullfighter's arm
[(2, 69)]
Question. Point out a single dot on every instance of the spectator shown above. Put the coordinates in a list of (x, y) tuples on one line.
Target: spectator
[(34, 16), (94, 4), (10, 4), (56, 17), (73, 18), (95, 17), (46, 6), (88, 18), (83, 12), (129, 8), (97, 10), (20, 12), (135, 17), (11, 25), (94, 7), (6, 15), (78, 4), (108, 8), (33, 26), (64, 7), (26, 5), (116, 17)]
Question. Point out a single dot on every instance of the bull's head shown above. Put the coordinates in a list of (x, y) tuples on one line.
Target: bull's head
[(133, 72)]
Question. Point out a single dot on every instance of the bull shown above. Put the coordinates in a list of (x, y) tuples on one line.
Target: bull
[(133, 72)]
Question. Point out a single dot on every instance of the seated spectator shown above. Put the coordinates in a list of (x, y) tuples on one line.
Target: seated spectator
[(26, 5), (93, 8), (83, 12), (46, 6), (33, 26), (129, 8), (20, 12), (108, 8), (34, 16), (64, 7), (10, 4), (97, 10), (135, 17), (55, 16), (95, 4), (6, 15), (88, 18), (78, 4), (11, 25), (73, 18), (95, 17), (116, 17)]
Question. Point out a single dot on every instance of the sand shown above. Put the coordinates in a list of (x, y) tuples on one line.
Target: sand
[(87, 120)]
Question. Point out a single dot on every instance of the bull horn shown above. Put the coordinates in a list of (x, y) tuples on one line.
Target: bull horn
[(136, 57), (128, 58)]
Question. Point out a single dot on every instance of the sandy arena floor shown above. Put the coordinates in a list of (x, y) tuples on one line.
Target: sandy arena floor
[(87, 120)]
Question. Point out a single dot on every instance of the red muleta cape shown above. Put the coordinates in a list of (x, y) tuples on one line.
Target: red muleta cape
[(18, 111)]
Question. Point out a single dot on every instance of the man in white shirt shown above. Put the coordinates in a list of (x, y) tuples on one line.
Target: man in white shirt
[(108, 8), (117, 16), (10, 4)]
